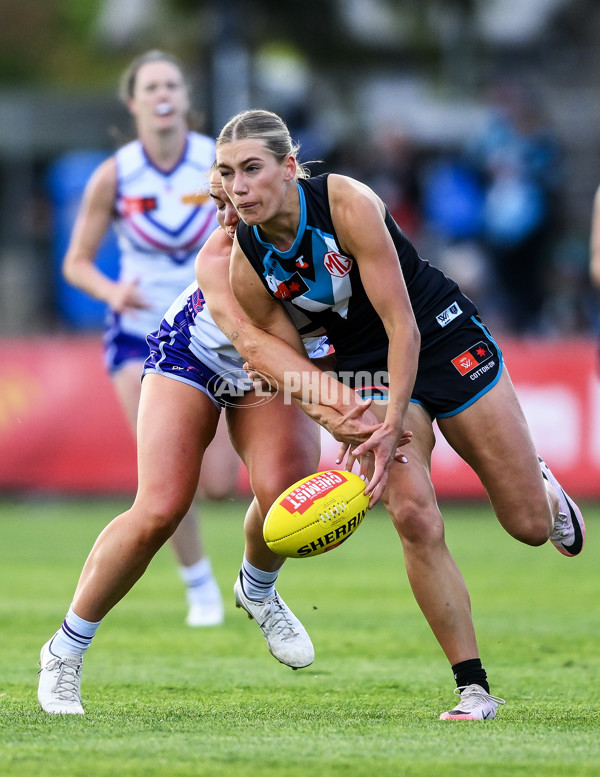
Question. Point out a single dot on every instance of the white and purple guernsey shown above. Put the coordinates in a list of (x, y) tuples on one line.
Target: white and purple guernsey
[(162, 219)]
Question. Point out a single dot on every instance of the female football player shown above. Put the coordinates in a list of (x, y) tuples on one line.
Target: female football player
[(328, 247), (192, 372), (149, 191)]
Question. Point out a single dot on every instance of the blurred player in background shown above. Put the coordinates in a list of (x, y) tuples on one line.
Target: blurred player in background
[(153, 191)]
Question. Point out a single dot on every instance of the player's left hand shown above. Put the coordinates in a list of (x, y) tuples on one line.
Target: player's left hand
[(375, 456)]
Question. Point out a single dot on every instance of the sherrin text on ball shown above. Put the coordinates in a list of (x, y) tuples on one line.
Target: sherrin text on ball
[(316, 514)]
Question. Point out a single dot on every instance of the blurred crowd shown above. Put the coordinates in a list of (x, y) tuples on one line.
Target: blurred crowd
[(490, 214)]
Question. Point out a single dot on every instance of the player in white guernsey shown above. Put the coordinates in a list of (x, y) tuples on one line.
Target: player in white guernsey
[(192, 372), (154, 192)]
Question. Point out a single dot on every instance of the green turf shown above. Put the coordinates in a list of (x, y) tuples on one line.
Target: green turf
[(162, 699)]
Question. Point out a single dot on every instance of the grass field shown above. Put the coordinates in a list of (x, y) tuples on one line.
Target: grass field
[(163, 699)]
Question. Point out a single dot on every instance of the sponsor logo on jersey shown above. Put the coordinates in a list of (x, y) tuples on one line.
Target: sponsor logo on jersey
[(132, 205), (467, 361), (197, 199), (336, 264), (301, 264), (290, 289), (448, 315)]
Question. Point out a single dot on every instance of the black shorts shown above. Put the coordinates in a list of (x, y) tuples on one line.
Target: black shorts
[(452, 373)]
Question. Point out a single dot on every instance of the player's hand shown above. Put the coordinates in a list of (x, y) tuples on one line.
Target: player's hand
[(126, 296), (262, 383), (356, 425), (375, 457)]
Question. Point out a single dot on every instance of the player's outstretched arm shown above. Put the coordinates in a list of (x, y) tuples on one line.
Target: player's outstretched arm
[(278, 353)]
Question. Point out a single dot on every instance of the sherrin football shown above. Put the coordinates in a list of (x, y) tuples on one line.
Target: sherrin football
[(316, 514)]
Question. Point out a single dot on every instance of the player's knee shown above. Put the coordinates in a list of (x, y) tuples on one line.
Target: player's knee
[(417, 522), (267, 492), (217, 491), (158, 521), (529, 525), (270, 485)]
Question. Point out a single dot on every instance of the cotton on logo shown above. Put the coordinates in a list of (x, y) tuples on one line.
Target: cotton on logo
[(336, 264)]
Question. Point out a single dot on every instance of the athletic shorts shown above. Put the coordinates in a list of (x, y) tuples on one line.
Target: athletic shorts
[(453, 373), (121, 348), (171, 356)]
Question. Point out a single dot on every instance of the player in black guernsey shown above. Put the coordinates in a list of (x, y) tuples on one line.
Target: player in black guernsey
[(314, 270), (329, 248)]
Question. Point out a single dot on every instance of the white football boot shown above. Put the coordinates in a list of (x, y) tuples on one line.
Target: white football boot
[(286, 637), (475, 704), (568, 534), (59, 690)]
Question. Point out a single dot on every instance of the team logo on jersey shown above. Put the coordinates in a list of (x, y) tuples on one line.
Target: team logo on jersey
[(336, 264), (448, 315), (290, 289), (132, 205), (197, 301), (468, 360)]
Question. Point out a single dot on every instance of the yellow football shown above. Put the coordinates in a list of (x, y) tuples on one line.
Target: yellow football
[(316, 514)]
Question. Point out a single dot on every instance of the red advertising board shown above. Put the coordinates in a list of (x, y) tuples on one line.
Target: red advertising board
[(62, 430), (61, 427)]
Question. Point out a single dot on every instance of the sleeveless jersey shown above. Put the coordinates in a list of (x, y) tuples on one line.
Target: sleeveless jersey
[(161, 218), (316, 277), (188, 322)]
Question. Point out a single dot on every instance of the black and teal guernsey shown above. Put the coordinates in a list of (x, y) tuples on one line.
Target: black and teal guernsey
[(315, 276)]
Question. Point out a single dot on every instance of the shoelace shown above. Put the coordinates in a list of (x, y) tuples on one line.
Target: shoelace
[(561, 528), (67, 682), (277, 616), (475, 696)]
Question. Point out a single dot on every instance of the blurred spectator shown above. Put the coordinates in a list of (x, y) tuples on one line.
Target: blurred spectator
[(453, 209), (569, 306), (519, 159), (389, 162), (394, 175)]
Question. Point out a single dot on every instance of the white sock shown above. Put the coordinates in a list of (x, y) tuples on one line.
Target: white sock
[(257, 584), (74, 636), (199, 581)]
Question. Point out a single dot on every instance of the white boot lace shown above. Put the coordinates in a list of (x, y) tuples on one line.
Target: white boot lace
[(68, 681), (277, 620), (474, 695), (561, 528)]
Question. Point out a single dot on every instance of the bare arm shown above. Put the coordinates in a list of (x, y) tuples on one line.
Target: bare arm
[(358, 215), (595, 242), (354, 423), (261, 338), (277, 350), (92, 223)]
